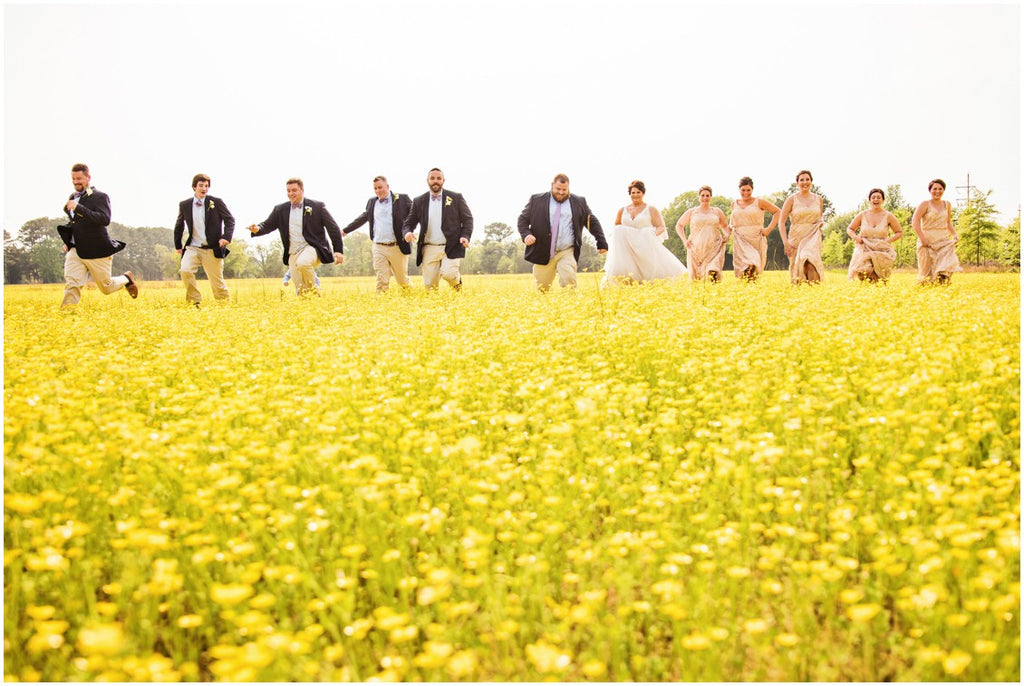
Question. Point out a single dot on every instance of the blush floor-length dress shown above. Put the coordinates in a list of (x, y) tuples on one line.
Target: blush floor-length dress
[(749, 245), (636, 253), (708, 251), (939, 257), (805, 235), (875, 253)]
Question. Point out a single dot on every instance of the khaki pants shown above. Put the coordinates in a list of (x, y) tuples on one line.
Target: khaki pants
[(436, 266), (563, 264), (303, 267), (77, 273), (191, 260), (388, 260)]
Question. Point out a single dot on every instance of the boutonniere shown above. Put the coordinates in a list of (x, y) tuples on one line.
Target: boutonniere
[(88, 191), (309, 210), (447, 200), (394, 196), (210, 206)]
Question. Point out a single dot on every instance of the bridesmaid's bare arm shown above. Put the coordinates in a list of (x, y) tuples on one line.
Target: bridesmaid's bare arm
[(897, 230), (618, 217), (681, 224), (851, 230), (657, 221), (915, 224), (769, 207), (787, 207), (723, 224)]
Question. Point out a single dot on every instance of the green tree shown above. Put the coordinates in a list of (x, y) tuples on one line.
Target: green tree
[(16, 261), (170, 262), (140, 254), (979, 232), (497, 248), (776, 255), (590, 260), (1009, 249), (498, 232), (266, 258), (358, 258), (47, 258), (237, 263), (36, 254), (836, 246), (906, 247)]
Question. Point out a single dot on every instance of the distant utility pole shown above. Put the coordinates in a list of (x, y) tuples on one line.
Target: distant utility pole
[(968, 188)]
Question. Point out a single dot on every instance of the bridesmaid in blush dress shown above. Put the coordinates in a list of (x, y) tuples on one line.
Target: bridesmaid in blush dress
[(803, 241), (709, 232), (936, 237), (873, 254), (749, 234), (636, 250)]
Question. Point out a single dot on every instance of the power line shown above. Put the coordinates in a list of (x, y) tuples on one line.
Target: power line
[(960, 201)]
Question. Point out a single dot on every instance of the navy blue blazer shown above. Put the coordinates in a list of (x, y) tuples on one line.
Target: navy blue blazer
[(401, 204), (456, 223), (534, 219), (219, 224), (317, 226), (87, 230)]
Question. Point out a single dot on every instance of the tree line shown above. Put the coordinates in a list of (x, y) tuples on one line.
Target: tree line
[(35, 254)]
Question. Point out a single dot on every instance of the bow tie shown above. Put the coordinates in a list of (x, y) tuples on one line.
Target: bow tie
[(199, 203), (435, 197), (297, 207), (77, 195)]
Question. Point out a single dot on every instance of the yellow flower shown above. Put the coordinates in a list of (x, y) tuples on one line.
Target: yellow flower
[(462, 664), (594, 669), (863, 612), (22, 503), (43, 642), (695, 641), (956, 662), (546, 658), (101, 639), (190, 621), (40, 611), (755, 626), (786, 640), (984, 647), (230, 594)]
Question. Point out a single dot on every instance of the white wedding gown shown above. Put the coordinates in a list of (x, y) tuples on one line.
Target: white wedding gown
[(635, 253)]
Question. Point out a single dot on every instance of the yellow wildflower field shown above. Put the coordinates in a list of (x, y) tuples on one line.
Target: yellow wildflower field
[(663, 482)]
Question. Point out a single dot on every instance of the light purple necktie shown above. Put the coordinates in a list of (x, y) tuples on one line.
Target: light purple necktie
[(554, 226)]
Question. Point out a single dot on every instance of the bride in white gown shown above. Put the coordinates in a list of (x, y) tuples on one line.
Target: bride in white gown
[(636, 250)]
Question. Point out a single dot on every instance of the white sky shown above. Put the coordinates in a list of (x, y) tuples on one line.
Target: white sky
[(501, 96)]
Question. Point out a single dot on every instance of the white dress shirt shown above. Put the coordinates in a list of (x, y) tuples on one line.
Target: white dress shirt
[(198, 223), (435, 208), (296, 241)]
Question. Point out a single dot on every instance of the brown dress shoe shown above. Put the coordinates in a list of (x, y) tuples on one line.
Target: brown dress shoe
[(132, 286)]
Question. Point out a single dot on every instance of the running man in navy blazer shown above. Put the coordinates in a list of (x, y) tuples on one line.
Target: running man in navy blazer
[(551, 226), (210, 226), (90, 250), (386, 212), (305, 226), (446, 226)]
